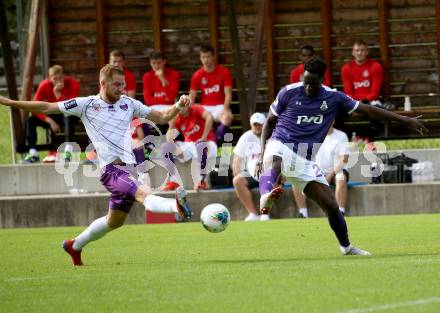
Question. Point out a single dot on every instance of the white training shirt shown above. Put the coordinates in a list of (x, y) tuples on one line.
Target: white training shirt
[(107, 125), (249, 148), (331, 150)]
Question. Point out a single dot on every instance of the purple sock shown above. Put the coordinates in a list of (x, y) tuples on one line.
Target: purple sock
[(139, 155), (202, 154), (167, 149), (267, 180), (220, 132), (339, 226), (146, 129)]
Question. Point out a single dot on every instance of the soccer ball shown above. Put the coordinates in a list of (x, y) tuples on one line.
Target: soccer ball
[(215, 217)]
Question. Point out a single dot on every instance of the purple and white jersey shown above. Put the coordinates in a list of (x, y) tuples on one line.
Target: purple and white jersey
[(304, 121), (107, 124)]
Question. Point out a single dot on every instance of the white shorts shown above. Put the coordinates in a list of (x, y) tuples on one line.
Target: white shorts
[(161, 107), (215, 110), (189, 150), (298, 170)]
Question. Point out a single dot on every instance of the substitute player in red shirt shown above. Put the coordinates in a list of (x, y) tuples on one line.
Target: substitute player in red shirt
[(195, 124), (160, 85), (362, 77), (57, 87), (215, 83), (117, 58), (297, 73)]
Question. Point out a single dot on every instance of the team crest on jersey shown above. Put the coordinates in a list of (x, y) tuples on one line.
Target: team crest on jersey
[(204, 81), (96, 107), (124, 107), (324, 106), (68, 105), (365, 73)]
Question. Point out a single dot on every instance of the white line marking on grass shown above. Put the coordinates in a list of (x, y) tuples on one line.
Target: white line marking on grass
[(392, 306), (51, 277)]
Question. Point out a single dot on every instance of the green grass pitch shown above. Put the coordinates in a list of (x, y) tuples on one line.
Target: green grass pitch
[(278, 266)]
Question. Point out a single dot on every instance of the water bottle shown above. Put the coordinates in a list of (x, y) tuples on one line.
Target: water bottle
[(407, 104)]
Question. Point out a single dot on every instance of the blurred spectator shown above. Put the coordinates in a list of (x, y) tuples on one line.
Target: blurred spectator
[(306, 53), (117, 58), (215, 83), (362, 77), (160, 85), (195, 124), (246, 155), (57, 87)]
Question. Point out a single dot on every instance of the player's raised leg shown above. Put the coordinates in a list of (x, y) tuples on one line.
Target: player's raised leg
[(323, 195), (269, 189), (158, 204)]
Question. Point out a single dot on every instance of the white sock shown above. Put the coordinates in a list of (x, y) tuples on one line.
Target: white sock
[(173, 178), (95, 231), (160, 205), (342, 210), (345, 250), (304, 212), (33, 152)]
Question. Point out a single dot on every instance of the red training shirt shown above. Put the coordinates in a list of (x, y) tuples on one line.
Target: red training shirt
[(212, 84), (192, 126), (362, 81), (155, 93), (297, 75), (130, 81), (45, 92)]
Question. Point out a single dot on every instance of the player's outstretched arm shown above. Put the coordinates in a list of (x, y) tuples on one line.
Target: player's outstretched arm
[(166, 116), (375, 113), (32, 106)]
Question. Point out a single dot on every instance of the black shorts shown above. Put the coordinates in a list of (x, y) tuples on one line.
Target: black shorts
[(252, 183)]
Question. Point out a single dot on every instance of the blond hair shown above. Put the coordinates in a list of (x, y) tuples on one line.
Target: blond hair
[(55, 70), (106, 73), (117, 53)]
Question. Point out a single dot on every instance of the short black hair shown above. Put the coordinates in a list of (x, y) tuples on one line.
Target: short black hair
[(205, 49), (308, 47), (315, 66)]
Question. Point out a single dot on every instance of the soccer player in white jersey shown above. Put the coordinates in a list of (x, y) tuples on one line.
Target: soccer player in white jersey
[(107, 117), (246, 155), (298, 119)]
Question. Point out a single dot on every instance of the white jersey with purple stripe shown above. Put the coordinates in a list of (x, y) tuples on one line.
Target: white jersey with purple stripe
[(303, 122), (107, 124)]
